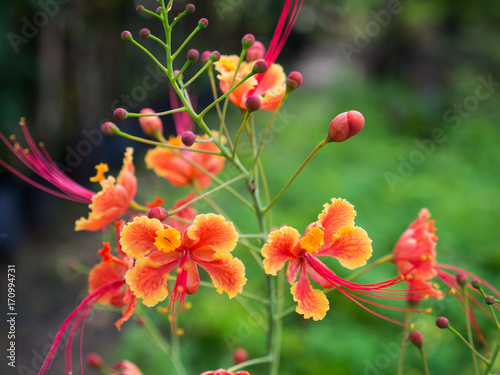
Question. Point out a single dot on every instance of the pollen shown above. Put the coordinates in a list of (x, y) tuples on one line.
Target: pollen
[(188, 305), (101, 169), (452, 291), (423, 258), (412, 326), (426, 297), (179, 332), (180, 289), (428, 310), (22, 121), (435, 286), (162, 310)]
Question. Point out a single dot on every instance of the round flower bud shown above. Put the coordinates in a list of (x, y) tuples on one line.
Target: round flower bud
[(253, 103), (215, 56), (205, 57), (260, 67), (158, 213), (490, 300), (293, 81), (108, 128), (203, 23), (442, 322), (416, 338), (190, 8), (159, 10), (94, 361), (240, 355), (248, 41), (345, 126), (150, 125), (462, 279), (140, 8), (144, 33), (193, 55), (120, 114), (255, 52), (126, 35), (475, 283), (188, 138)]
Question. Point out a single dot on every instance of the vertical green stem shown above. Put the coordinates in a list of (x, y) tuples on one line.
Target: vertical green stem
[(404, 343), (469, 328)]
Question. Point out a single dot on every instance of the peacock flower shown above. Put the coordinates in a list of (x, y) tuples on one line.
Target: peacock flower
[(159, 249), (179, 167), (115, 198), (224, 372), (125, 368), (270, 86)]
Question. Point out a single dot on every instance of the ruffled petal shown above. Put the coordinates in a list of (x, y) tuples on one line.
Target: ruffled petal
[(127, 313), (350, 245), (148, 279), (168, 239), (281, 245), (227, 273), (138, 237), (126, 177), (170, 166), (211, 231), (105, 273), (335, 216), (312, 303), (312, 240)]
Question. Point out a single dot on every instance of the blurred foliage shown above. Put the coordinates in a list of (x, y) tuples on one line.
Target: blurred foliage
[(422, 64)]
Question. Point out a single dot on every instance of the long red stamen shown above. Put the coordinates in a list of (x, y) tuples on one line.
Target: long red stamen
[(178, 294)]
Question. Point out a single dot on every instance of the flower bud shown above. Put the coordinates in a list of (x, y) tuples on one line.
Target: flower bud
[(442, 322), (94, 361), (345, 125), (247, 41), (188, 138), (190, 8), (144, 33), (240, 355), (475, 283), (203, 23), (293, 81), (193, 55), (140, 8), (158, 213), (159, 10), (260, 67), (255, 52), (205, 57), (416, 338), (126, 36), (253, 103), (490, 300), (140, 321), (462, 279), (150, 125), (120, 114), (215, 56), (108, 128)]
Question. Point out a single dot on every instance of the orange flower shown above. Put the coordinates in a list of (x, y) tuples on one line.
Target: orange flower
[(169, 164), (333, 235), (125, 368), (269, 86), (224, 372), (114, 199), (159, 249)]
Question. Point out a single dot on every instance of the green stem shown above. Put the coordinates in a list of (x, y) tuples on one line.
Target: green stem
[(243, 126), (485, 360), (278, 325), (404, 342), (308, 159), (224, 108), (185, 42), (169, 112), (251, 362), (193, 78), (424, 360), (149, 54), (158, 40), (469, 328)]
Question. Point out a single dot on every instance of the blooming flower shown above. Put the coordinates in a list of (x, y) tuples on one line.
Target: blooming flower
[(224, 372), (172, 164), (159, 249), (269, 86), (125, 368)]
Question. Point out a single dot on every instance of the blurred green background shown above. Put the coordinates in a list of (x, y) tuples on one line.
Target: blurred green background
[(419, 73)]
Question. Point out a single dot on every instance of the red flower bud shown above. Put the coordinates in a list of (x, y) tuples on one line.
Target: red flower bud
[(260, 67), (193, 55), (144, 33), (205, 57), (94, 361), (417, 339), (475, 283), (462, 279), (188, 138), (240, 355), (490, 300), (253, 103), (293, 81), (442, 322), (158, 213), (159, 10), (203, 23), (190, 8), (248, 41), (255, 52), (120, 114), (108, 128), (150, 125), (140, 8), (215, 56), (345, 125), (126, 35)]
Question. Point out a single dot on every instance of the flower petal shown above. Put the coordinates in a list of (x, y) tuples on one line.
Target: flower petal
[(167, 239), (293, 270), (350, 245), (170, 166), (126, 368), (312, 240), (281, 245), (148, 278), (335, 216), (227, 273), (211, 231), (422, 289), (312, 303), (131, 302), (126, 177), (138, 237), (105, 273)]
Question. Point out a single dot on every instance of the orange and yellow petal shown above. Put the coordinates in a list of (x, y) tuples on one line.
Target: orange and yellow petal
[(351, 246), (170, 166), (167, 239), (138, 237), (148, 280), (312, 303), (131, 302), (105, 273), (312, 240), (281, 245), (211, 231), (227, 273), (422, 289), (335, 216), (126, 177)]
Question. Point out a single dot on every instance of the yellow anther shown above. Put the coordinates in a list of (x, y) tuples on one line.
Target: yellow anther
[(180, 289), (435, 286), (412, 326), (423, 258), (426, 297), (178, 270), (22, 121), (12, 137), (41, 144), (188, 306), (101, 169), (452, 291), (428, 310), (402, 277), (179, 332), (431, 257), (26, 151), (162, 310), (409, 277)]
